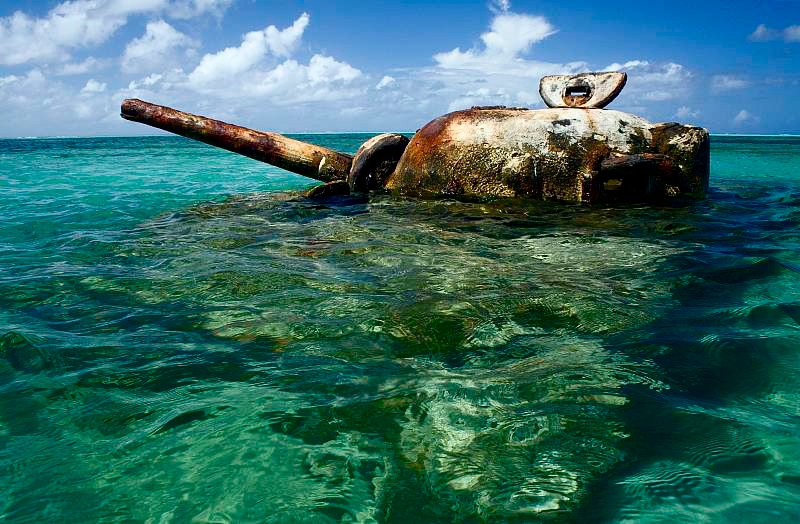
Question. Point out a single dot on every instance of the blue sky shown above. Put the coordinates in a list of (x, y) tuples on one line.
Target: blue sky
[(318, 66)]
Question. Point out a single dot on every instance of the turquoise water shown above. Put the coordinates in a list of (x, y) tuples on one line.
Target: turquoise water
[(181, 342)]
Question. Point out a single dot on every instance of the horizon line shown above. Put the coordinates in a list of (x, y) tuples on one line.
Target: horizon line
[(64, 137)]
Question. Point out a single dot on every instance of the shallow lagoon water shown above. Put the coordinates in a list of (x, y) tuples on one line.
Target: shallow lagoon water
[(182, 340)]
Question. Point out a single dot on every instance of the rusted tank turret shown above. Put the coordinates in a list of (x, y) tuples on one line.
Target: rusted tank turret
[(573, 151)]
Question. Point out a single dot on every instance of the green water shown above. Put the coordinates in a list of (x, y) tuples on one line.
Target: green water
[(179, 342)]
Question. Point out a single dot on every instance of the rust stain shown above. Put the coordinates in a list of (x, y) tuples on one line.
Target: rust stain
[(490, 151), (284, 152)]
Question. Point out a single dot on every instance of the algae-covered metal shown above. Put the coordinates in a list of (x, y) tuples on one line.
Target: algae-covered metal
[(573, 151)]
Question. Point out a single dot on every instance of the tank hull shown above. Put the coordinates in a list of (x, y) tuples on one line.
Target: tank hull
[(569, 154)]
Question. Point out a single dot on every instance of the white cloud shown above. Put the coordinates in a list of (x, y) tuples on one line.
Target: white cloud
[(744, 117), (230, 61), (722, 83), (653, 82), (684, 112), (255, 46), (257, 71), (763, 33), (284, 42), (157, 49), (168, 86), (22, 88), (266, 82), (630, 64), (88, 65), (8, 80), (184, 9), (31, 104), (82, 23), (499, 71), (510, 36), (147, 81), (324, 78), (386, 81), (658, 95), (68, 25), (93, 86), (500, 6), (324, 69), (481, 97), (38, 104)]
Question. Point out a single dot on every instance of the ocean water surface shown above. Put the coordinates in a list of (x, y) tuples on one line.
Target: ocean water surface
[(183, 339)]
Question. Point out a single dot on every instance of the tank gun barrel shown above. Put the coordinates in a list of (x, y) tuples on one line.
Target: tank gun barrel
[(309, 160)]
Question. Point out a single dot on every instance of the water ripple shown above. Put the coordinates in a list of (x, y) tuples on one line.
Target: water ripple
[(169, 353)]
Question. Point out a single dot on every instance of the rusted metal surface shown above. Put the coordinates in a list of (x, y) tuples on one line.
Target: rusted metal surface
[(319, 163), (329, 189), (649, 161), (575, 154), (636, 177), (550, 153), (375, 160), (690, 150), (560, 154), (585, 90)]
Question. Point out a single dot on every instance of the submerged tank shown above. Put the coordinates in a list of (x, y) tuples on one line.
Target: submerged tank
[(574, 150)]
